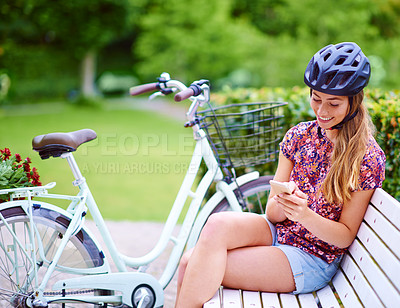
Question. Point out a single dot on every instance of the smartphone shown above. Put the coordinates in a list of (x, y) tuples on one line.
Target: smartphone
[(280, 187)]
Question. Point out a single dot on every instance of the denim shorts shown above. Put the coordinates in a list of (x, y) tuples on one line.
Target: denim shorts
[(310, 272)]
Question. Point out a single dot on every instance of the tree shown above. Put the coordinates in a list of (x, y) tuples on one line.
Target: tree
[(302, 27), (193, 39), (264, 14), (326, 22), (81, 28), (387, 18)]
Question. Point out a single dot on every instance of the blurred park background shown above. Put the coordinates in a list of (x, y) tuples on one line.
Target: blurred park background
[(67, 65)]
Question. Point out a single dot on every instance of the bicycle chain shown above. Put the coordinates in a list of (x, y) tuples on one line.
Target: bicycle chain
[(68, 293), (78, 292)]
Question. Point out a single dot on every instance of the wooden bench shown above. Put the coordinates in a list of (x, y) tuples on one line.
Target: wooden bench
[(369, 274)]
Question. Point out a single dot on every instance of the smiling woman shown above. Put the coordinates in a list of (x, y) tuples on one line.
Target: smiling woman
[(336, 75), (335, 165)]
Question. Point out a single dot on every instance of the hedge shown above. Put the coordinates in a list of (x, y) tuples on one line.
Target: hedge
[(384, 108), (39, 73)]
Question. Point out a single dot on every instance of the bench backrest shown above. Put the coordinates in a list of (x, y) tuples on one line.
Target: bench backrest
[(372, 267)]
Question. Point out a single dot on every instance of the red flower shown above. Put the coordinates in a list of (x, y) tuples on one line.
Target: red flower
[(6, 153), (27, 168), (35, 177), (22, 174), (18, 158)]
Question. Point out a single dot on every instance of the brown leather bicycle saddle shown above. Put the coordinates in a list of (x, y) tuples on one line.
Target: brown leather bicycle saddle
[(56, 144)]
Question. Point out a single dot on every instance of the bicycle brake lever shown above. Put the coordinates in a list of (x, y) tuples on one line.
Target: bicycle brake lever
[(202, 81)]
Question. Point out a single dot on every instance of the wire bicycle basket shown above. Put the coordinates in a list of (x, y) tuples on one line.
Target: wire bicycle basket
[(244, 135)]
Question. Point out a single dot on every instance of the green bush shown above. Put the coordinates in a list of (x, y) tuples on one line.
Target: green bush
[(384, 108), (39, 73)]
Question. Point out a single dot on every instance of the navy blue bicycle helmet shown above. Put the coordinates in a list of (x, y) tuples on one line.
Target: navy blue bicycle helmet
[(340, 69)]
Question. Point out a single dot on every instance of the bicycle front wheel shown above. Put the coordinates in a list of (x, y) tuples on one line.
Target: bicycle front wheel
[(26, 255), (253, 196)]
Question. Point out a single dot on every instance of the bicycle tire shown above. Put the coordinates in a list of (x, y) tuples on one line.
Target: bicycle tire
[(254, 194), (16, 266)]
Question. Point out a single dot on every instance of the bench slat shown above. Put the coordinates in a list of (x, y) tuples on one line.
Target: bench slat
[(385, 230), (327, 298), (214, 302), (382, 255), (231, 298), (251, 299), (345, 291), (270, 300), (382, 286), (307, 300), (289, 300), (386, 204), (364, 291)]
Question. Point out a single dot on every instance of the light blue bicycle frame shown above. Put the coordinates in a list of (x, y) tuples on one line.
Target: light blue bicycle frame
[(192, 224)]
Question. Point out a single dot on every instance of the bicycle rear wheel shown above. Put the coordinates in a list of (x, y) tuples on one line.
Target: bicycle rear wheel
[(20, 275), (253, 194)]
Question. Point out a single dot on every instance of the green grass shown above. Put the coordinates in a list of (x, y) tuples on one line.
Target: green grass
[(134, 168)]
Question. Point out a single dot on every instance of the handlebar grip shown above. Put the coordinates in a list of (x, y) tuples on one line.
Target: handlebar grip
[(184, 94), (148, 87), (193, 90)]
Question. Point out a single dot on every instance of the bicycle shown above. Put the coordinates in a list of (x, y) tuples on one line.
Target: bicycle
[(47, 254)]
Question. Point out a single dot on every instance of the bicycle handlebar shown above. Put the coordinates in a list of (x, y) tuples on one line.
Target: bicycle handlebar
[(183, 95), (199, 90), (148, 87), (193, 90)]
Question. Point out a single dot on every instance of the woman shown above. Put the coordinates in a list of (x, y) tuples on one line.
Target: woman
[(334, 164)]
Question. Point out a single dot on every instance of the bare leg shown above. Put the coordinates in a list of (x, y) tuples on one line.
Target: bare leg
[(182, 269), (207, 265), (258, 268)]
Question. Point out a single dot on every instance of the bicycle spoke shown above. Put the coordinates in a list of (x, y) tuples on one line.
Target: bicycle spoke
[(20, 275), (255, 194)]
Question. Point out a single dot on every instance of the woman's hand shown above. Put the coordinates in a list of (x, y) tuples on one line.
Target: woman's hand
[(295, 205)]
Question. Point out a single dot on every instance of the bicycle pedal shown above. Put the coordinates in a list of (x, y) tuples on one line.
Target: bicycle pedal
[(39, 304), (143, 297)]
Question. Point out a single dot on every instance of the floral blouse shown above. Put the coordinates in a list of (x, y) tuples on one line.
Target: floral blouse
[(311, 157)]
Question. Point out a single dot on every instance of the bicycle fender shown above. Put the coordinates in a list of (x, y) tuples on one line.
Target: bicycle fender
[(213, 202), (25, 204)]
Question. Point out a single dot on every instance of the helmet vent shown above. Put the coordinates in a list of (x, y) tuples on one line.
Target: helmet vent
[(356, 61), (327, 56), (329, 78), (340, 61), (316, 73), (346, 77)]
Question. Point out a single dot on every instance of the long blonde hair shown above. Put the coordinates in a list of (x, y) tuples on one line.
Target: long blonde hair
[(349, 150)]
